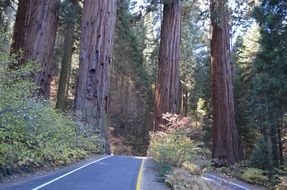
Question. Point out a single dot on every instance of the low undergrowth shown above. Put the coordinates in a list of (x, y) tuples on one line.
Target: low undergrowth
[(258, 170), (180, 154), (182, 158), (245, 171), (33, 134)]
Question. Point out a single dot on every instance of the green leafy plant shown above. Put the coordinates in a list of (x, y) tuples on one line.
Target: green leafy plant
[(179, 146), (255, 176), (32, 133), (181, 179)]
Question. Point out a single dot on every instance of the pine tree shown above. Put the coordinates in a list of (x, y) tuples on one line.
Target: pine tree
[(244, 54), (269, 83)]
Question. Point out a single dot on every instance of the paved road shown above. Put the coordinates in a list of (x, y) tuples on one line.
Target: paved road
[(112, 173)]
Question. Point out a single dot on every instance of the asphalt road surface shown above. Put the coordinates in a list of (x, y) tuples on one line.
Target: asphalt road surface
[(109, 173)]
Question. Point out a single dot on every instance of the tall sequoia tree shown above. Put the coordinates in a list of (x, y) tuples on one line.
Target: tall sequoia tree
[(224, 133), (167, 87), (92, 93), (34, 34)]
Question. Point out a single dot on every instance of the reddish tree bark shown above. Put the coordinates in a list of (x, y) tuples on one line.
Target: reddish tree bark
[(224, 133), (34, 34), (21, 25), (167, 87), (92, 93)]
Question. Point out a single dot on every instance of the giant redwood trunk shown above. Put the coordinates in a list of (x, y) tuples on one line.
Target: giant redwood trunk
[(224, 133), (34, 34), (92, 93), (167, 87)]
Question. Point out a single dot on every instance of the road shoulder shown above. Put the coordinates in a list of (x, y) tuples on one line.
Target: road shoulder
[(149, 177), (230, 183)]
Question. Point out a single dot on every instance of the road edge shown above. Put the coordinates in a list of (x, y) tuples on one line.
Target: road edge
[(140, 175)]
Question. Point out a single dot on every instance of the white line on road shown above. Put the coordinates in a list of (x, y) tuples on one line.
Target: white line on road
[(45, 184), (220, 179)]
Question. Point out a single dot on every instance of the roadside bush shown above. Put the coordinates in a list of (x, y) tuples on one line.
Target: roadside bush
[(245, 171), (32, 133), (181, 179), (255, 176), (179, 153), (235, 170), (172, 149), (174, 146), (192, 168)]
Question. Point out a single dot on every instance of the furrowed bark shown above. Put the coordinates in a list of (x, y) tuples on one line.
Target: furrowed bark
[(92, 93), (34, 34), (167, 88), (224, 133)]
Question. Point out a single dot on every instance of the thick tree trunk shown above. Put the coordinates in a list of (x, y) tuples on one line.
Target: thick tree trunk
[(224, 133), (66, 62), (35, 32), (167, 88), (92, 93), (20, 27)]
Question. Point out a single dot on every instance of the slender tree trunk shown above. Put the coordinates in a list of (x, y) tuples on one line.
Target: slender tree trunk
[(66, 62), (185, 94), (275, 147), (280, 144), (167, 87), (69, 77), (224, 133), (186, 101), (35, 32), (92, 92)]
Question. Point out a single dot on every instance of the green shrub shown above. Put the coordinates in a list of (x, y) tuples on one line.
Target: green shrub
[(178, 146), (244, 170), (32, 133), (255, 176), (235, 170), (192, 168), (181, 179)]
